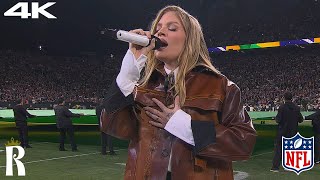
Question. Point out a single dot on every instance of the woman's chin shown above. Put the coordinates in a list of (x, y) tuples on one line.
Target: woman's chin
[(160, 56), (164, 58)]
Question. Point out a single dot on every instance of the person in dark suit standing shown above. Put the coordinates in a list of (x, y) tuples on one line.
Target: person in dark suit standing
[(315, 117), (288, 117), (105, 138), (64, 124), (20, 115)]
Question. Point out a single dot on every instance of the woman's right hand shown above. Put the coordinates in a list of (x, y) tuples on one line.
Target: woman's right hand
[(139, 50)]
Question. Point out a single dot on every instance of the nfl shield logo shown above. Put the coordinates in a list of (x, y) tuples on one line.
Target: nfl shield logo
[(297, 153)]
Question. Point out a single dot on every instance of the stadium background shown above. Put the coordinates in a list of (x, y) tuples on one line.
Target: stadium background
[(76, 62)]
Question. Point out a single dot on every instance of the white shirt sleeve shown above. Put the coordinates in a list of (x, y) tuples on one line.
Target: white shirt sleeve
[(129, 73), (179, 125)]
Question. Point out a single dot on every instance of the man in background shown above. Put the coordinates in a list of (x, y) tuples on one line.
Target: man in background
[(64, 124), (20, 116), (287, 118), (315, 117), (105, 138)]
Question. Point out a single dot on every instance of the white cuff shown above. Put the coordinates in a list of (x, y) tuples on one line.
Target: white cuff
[(140, 62), (179, 125), (129, 74)]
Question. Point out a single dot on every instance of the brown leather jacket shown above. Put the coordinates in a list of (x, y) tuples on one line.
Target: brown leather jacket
[(222, 130)]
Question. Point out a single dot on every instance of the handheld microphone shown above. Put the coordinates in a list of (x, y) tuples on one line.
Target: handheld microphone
[(134, 38)]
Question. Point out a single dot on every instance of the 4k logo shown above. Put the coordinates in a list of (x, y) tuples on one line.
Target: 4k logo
[(36, 10)]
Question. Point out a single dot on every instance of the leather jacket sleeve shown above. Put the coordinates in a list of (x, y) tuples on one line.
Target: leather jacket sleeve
[(117, 118), (235, 135)]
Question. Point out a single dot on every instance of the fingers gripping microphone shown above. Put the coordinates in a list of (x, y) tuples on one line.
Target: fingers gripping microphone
[(134, 38)]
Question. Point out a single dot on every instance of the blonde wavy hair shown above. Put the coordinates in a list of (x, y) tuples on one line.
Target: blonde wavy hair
[(194, 53)]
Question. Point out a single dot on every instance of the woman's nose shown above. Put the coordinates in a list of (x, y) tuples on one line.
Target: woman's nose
[(160, 33)]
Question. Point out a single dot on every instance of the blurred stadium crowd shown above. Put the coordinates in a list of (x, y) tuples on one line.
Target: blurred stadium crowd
[(263, 76), (43, 79)]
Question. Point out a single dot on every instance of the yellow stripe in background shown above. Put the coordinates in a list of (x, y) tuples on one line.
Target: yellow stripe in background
[(269, 44), (234, 47)]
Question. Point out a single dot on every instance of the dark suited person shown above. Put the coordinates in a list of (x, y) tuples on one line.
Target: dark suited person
[(20, 115), (105, 138), (315, 117), (287, 118), (64, 124)]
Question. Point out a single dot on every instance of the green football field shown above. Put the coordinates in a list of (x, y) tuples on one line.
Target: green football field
[(44, 161)]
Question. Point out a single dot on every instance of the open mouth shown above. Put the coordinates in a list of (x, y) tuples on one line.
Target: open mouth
[(164, 43)]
